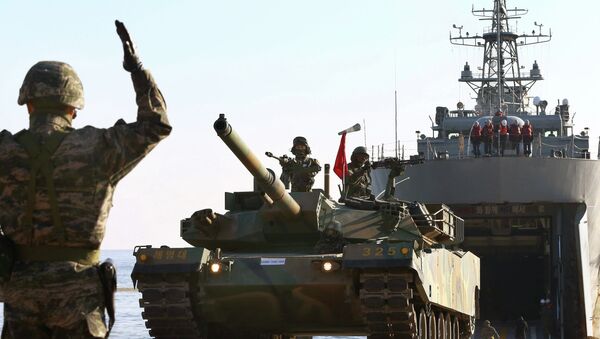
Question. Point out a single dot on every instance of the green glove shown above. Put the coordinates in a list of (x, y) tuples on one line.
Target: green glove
[(131, 62)]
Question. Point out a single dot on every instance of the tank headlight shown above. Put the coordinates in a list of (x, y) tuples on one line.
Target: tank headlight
[(329, 266), (144, 257), (215, 267), (404, 250)]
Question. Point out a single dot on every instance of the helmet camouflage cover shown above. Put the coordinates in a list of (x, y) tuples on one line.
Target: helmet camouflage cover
[(300, 140), (52, 81), (360, 150)]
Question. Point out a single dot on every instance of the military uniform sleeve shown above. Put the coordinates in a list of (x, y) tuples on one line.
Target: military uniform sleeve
[(316, 166), (127, 143)]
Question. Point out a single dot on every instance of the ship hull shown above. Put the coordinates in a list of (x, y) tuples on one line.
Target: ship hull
[(556, 194)]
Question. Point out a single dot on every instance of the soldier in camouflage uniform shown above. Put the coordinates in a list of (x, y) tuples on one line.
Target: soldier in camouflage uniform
[(358, 177), (56, 188), (301, 170)]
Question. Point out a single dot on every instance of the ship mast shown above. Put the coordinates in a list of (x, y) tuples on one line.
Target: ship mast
[(501, 85)]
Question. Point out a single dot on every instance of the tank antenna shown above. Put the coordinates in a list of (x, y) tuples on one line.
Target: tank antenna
[(396, 120), (365, 131)]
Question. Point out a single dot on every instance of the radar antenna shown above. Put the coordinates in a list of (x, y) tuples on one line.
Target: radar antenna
[(501, 83)]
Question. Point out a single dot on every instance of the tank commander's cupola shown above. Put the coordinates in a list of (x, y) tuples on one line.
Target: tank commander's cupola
[(535, 70), (466, 73)]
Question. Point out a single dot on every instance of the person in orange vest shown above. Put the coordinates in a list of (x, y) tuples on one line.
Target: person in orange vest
[(476, 139), (488, 137), (514, 135), (527, 134), (503, 133)]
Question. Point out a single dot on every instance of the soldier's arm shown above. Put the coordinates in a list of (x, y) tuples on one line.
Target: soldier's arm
[(314, 168), (127, 143)]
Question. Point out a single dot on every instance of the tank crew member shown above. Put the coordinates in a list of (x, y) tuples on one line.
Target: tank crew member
[(521, 329), (57, 187), (301, 170), (503, 136), (358, 177), (514, 136), (488, 331), (527, 133), (488, 137), (476, 139)]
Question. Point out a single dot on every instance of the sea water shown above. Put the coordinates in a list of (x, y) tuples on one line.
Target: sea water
[(129, 323)]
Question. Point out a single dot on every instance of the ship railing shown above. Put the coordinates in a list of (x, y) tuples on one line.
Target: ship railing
[(480, 75)]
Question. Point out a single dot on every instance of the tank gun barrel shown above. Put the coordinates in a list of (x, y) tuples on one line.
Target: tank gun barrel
[(270, 184)]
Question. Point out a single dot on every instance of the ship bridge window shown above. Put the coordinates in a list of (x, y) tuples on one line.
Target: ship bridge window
[(550, 134)]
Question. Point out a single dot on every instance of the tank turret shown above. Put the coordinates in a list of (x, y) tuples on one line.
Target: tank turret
[(277, 196)]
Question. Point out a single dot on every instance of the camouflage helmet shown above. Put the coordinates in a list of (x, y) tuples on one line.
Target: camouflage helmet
[(300, 141), (52, 81), (360, 150), (357, 151)]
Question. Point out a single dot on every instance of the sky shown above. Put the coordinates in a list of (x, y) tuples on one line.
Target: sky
[(277, 69)]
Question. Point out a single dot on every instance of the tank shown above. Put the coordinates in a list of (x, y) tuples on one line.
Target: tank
[(293, 265)]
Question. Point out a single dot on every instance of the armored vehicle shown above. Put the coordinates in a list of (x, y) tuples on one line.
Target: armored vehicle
[(280, 265)]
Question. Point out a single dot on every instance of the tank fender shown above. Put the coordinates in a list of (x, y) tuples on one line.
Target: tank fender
[(165, 260)]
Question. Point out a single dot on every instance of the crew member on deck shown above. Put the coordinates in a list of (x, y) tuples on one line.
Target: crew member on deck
[(514, 135), (527, 134), (488, 137), (503, 136), (476, 139)]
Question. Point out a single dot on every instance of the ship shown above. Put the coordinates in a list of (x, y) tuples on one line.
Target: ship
[(531, 218)]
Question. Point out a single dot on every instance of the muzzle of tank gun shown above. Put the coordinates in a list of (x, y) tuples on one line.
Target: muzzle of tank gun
[(271, 185)]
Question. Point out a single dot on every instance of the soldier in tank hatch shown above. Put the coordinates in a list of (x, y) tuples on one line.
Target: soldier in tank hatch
[(358, 177), (56, 187), (302, 169)]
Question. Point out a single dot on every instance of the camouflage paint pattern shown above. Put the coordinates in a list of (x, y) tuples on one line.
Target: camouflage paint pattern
[(87, 166), (52, 81), (449, 278)]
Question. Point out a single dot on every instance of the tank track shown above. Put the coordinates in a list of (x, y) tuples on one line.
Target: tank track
[(167, 303), (387, 305)]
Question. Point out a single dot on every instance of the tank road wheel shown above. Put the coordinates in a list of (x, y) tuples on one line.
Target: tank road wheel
[(441, 326), (422, 325), (433, 333), (448, 327), (455, 328)]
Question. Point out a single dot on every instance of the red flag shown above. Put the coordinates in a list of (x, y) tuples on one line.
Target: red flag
[(340, 167)]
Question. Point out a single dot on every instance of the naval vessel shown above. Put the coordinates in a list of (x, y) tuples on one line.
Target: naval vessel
[(532, 219)]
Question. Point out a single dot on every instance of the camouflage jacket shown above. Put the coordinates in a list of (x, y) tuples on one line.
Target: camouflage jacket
[(358, 181), (301, 173), (87, 165)]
